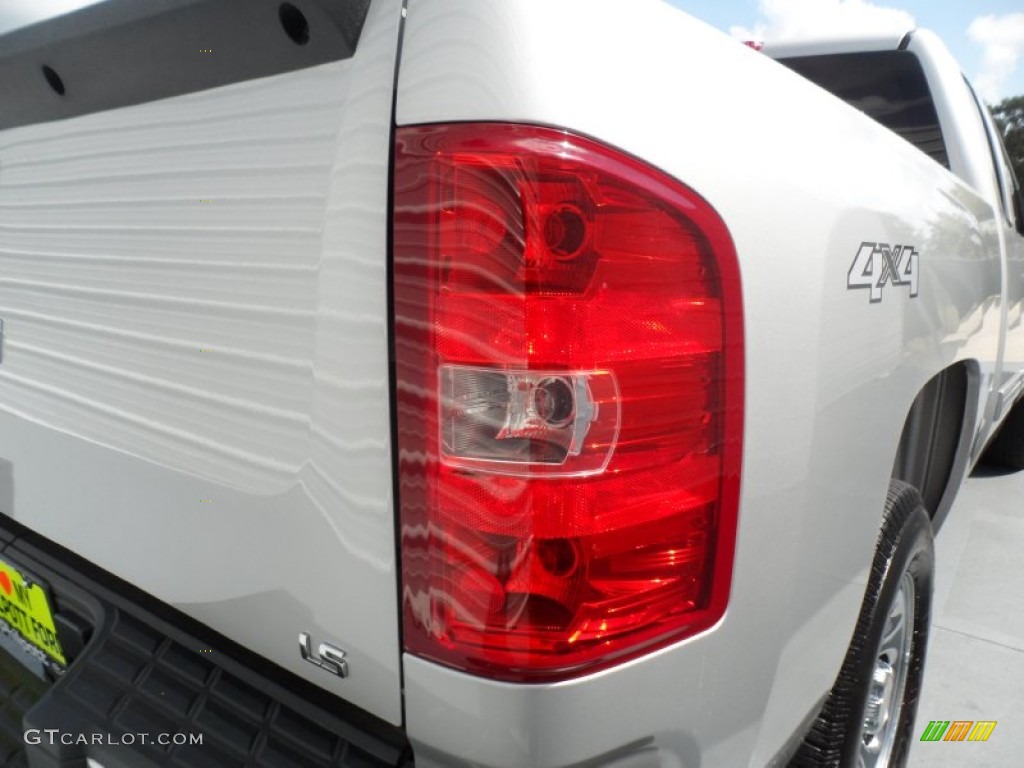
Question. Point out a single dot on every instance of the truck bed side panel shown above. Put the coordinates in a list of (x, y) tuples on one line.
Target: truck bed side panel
[(830, 375)]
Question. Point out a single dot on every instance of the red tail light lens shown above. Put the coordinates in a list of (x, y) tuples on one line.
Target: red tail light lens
[(569, 367)]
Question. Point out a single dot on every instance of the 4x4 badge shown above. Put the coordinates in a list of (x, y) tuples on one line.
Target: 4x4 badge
[(329, 657), (879, 263)]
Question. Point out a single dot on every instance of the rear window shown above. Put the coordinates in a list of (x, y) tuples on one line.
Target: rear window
[(889, 86)]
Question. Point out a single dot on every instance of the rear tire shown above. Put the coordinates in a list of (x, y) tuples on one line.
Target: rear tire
[(1007, 449), (868, 716)]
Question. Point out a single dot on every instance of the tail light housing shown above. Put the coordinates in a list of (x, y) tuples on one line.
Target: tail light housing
[(569, 352)]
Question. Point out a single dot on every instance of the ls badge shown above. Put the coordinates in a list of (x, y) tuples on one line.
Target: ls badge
[(328, 657), (879, 263)]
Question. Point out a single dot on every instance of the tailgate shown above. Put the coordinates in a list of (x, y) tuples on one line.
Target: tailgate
[(193, 289)]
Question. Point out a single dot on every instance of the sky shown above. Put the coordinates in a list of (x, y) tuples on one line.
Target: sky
[(16, 13), (986, 36)]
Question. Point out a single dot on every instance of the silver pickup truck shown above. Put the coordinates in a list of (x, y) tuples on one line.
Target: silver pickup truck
[(485, 383)]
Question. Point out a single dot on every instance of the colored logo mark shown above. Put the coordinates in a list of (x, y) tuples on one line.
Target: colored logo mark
[(958, 730)]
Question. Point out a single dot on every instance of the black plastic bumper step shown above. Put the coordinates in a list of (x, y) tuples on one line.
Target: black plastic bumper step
[(141, 680), (19, 691)]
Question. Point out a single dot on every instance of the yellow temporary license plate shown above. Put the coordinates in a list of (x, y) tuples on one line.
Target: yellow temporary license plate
[(23, 605)]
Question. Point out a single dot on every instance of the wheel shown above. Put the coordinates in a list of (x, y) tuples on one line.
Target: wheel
[(867, 719), (1007, 449)]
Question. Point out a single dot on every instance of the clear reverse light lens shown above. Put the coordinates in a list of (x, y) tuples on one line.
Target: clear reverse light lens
[(512, 421)]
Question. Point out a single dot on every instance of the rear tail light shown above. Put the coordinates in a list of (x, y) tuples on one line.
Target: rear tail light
[(569, 356)]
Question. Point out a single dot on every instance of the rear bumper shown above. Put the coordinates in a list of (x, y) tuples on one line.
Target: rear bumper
[(146, 686)]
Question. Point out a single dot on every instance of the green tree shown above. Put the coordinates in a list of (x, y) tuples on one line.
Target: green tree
[(1009, 114)]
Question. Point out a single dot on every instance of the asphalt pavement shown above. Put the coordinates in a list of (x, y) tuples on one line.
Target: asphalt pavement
[(975, 667)]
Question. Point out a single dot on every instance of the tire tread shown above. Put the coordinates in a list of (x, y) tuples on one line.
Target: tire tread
[(824, 745)]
